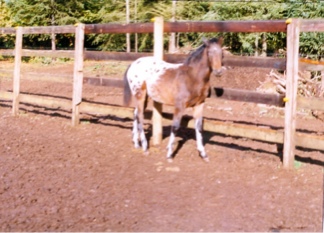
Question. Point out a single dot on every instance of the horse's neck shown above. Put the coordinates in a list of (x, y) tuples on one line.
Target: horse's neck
[(200, 71)]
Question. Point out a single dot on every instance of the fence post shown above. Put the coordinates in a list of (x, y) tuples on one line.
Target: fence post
[(157, 107), (16, 75), (293, 30), (77, 73)]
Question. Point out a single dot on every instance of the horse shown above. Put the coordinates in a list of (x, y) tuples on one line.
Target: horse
[(181, 85)]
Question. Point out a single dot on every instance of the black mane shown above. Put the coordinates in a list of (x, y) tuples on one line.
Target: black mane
[(196, 55)]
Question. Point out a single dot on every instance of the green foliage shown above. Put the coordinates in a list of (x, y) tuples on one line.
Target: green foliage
[(6, 41), (51, 12), (245, 42), (311, 43), (110, 11), (64, 12)]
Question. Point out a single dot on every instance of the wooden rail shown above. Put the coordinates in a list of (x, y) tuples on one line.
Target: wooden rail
[(230, 94), (7, 30), (312, 25), (189, 26), (240, 61), (215, 92), (267, 62), (293, 27), (260, 133), (192, 26)]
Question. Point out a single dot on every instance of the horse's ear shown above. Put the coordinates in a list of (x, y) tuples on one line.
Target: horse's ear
[(205, 41)]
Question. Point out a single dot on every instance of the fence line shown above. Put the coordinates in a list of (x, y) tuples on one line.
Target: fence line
[(291, 92), (16, 77), (292, 27), (228, 128), (77, 73), (307, 25), (228, 60)]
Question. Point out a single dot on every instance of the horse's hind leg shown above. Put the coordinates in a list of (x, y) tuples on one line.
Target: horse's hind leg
[(135, 129), (138, 125), (174, 129), (198, 116)]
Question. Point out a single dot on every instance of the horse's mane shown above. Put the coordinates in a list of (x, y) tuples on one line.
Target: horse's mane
[(196, 55)]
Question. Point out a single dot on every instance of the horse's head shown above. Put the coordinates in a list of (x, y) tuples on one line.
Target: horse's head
[(215, 55)]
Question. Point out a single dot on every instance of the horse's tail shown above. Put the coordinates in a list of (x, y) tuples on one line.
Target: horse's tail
[(127, 90)]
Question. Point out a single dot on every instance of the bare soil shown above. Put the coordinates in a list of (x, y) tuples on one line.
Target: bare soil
[(55, 177)]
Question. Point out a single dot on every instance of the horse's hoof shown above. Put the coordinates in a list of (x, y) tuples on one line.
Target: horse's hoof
[(170, 160), (146, 153), (206, 159)]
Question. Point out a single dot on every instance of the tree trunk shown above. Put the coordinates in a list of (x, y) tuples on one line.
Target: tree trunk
[(53, 35), (136, 35), (172, 38), (264, 45), (256, 45), (127, 34)]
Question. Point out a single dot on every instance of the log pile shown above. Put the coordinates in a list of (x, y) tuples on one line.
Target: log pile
[(309, 85)]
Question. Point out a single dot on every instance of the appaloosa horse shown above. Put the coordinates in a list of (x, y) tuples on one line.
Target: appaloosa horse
[(181, 85)]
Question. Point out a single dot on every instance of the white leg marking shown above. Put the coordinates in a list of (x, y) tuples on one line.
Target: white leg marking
[(199, 138), (198, 115), (170, 145), (135, 129), (143, 140)]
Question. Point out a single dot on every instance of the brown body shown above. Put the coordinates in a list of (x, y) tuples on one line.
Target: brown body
[(181, 85)]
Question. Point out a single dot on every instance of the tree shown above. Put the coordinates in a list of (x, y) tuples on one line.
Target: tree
[(4, 15), (111, 11), (6, 41), (172, 10), (50, 13), (114, 11), (247, 42), (311, 43), (64, 12)]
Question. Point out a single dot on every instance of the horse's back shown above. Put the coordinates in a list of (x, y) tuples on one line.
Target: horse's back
[(149, 67), (154, 75)]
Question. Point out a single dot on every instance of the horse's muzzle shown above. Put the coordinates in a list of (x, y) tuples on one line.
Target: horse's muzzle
[(218, 72)]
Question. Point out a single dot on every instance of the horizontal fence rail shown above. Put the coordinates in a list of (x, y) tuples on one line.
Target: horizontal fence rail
[(192, 26), (251, 26), (40, 30), (49, 29), (259, 133), (293, 27), (7, 30), (312, 25), (229, 60), (227, 26)]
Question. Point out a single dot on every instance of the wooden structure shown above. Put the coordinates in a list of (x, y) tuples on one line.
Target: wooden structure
[(291, 91), (293, 27), (77, 74), (157, 107), (16, 76)]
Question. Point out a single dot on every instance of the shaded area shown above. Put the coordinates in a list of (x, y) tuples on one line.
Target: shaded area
[(90, 178)]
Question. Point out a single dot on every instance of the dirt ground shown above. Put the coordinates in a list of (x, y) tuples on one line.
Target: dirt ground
[(55, 177)]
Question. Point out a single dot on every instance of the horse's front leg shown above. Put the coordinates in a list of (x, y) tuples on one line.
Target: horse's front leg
[(198, 116), (174, 129)]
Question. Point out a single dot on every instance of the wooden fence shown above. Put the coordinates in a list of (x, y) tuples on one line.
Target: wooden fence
[(292, 27)]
